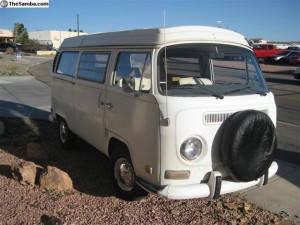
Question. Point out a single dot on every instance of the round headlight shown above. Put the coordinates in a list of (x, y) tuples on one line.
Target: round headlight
[(191, 149)]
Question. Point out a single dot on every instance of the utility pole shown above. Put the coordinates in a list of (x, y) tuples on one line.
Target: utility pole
[(77, 25)]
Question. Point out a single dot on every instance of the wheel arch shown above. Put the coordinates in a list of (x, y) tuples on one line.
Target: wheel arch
[(114, 143)]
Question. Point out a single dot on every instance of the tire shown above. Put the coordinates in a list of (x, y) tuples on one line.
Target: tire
[(123, 176), (248, 145), (67, 138)]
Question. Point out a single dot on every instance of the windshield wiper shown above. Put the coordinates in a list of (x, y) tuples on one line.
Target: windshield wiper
[(201, 87), (246, 88)]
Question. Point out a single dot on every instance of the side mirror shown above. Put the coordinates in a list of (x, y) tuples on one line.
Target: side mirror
[(128, 84)]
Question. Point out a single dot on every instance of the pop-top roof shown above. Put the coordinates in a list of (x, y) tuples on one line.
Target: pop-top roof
[(156, 36)]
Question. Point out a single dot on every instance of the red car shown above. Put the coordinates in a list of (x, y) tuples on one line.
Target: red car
[(264, 50)]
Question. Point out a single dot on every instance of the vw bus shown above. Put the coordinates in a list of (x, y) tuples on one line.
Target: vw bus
[(183, 112)]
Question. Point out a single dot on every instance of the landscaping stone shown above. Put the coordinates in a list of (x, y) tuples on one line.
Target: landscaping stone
[(55, 179)]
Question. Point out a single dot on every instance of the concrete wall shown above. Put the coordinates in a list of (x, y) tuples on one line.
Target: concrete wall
[(52, 36)]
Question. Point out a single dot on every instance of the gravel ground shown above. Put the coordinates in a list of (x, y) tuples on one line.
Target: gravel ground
[(93, 200)]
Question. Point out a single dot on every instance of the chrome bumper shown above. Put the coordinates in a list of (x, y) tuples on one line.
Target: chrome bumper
[(212, 189)]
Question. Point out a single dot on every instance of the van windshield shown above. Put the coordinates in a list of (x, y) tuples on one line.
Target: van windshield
[(209, 70)]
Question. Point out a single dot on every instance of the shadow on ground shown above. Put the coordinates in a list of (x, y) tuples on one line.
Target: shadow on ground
[(87, 167), (16, 110), (42, 72)]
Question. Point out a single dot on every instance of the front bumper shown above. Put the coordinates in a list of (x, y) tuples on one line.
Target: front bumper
[(212, 189)]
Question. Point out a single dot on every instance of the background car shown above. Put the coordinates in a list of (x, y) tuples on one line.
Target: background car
[(277, 58), (5, 46), (284, 57), (292, 58), (294, 48)]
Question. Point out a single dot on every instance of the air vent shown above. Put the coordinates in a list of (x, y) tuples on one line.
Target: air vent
[(216, 118)]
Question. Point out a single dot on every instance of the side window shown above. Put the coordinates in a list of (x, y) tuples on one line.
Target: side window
[(93, 66), (134, 65), (263, 47), (67, 63)]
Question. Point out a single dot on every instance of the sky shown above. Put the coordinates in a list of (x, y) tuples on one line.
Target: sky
[(273, 20)]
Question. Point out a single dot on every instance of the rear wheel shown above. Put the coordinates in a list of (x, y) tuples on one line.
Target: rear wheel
[(67, 138), (123, 175)]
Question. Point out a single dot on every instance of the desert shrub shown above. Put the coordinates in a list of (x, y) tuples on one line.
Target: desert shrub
[(34, 48), (9, 51)]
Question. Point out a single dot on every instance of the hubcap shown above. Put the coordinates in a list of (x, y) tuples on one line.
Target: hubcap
[(124, 174)]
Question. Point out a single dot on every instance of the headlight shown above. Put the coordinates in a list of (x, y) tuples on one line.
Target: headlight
[(191, 149)]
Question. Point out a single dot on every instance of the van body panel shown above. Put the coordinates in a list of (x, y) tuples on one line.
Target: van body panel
[(187, 119), (135, 118), (156, 36), (62, 98), (89, 112)]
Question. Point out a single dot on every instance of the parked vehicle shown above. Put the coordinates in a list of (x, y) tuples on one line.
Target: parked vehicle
[(293, 48), (284, 57), (4, 46), (264, 50), (293, 58), (297, 73), (183, 112), (278, 58)]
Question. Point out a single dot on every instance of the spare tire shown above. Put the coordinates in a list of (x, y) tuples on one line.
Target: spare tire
[(248, 145)]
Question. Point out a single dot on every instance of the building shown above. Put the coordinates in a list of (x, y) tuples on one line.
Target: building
[(52, 37), (6, 36)]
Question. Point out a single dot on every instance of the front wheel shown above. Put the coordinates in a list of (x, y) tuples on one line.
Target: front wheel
[(123, 175)]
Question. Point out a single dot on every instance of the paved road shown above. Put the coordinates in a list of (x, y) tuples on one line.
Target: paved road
[(287, 96), (24, 97)]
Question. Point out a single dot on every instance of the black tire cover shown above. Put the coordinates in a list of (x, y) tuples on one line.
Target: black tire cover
[(248, 145)]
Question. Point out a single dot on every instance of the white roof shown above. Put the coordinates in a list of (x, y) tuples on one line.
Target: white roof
[(156, 36)]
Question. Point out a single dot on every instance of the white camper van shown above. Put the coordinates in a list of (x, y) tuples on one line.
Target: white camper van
[(183, 112)]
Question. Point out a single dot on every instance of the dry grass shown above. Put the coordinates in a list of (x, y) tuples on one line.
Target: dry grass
[(13, 67)]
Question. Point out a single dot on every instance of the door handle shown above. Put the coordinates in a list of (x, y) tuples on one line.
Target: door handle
[(109, 105)]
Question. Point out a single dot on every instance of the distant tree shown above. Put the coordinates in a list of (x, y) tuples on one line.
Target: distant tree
[(21, 34), (70, 30), (75, 30), (81, 31)]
